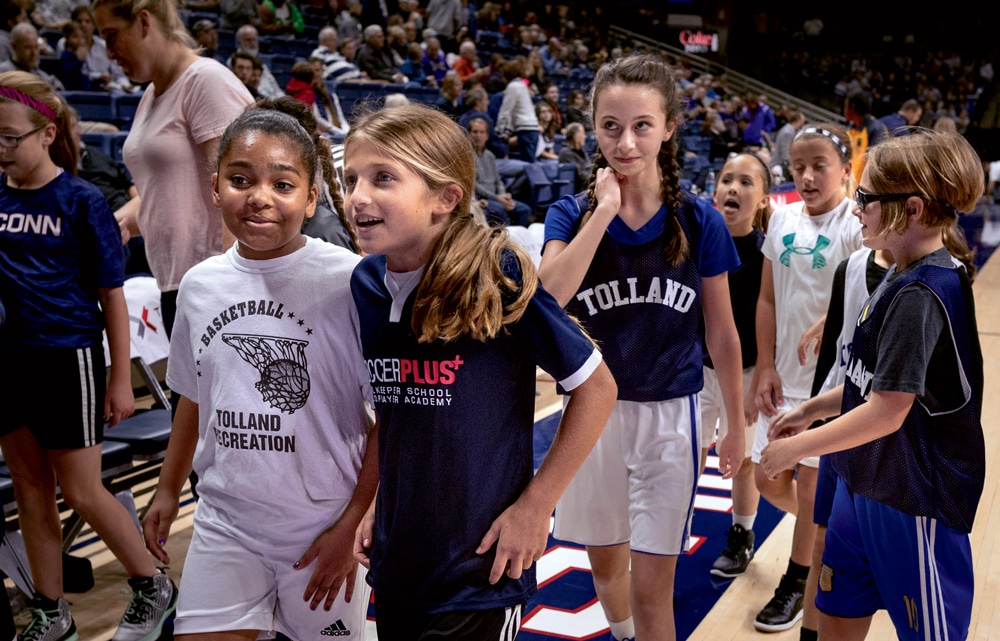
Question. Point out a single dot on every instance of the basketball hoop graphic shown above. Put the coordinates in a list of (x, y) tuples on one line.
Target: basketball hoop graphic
[(284, 379)]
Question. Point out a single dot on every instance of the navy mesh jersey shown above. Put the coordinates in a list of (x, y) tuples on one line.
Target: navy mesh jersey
[(645, 314), (934, 465)]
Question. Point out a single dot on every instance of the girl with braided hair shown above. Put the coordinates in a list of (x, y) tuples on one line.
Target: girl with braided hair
[(640, 264)]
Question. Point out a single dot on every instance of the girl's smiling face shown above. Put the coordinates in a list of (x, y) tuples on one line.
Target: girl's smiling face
[(264, 192), (393, 210), (740, 192), (819, 174), (631, 124)]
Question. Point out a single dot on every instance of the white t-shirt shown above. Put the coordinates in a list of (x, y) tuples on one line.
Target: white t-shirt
[(176, 217), (804, 252), (270, 351)]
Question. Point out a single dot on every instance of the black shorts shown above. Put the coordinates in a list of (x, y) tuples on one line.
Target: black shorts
[(397, 622), (58, 393)]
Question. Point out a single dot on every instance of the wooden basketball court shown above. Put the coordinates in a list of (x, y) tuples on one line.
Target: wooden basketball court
[(97, 611)]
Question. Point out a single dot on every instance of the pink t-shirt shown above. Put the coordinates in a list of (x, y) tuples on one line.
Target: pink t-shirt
[(176, 217)]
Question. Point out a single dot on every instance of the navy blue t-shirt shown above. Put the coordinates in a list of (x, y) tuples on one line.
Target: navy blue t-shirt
[(455, 441), (58, 245), (645, 314)]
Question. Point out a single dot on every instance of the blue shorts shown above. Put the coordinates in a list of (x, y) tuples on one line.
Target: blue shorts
[(916, 568), (826, 487)]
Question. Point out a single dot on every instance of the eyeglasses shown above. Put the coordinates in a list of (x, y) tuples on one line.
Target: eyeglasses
[(11, 142), (863, 198)]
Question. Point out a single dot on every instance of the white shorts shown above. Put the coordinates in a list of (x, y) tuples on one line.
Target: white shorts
[(760, 438), (713, 411), (637, 485), (233, 581)]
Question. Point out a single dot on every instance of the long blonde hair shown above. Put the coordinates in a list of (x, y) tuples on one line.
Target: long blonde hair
[(44, 106), (470, 285)]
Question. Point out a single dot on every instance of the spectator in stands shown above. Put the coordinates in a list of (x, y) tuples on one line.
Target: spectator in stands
[(573, 153), (348, 22), (551, 98), (783, 140), (724, 140), (945, 124), (73, 71), (27, 53), (395, 100), (863, 129), (243, 66), (281, 18), (51, 14), (450, 100), (234, 14), (167, 152), (759, 121), (467, 64), (412, 67), (11, 13), (248, 41), (346, 69), (434, 62), (375, 59), (410, 11), (517, 118), (535, 73), (548, 130), (490, 188), (104, 74), (206, 34), (552, 55), (445, 18), (307, 86), (412, 32), (327, 51), (575, 110), (908, 116), (396, 43)]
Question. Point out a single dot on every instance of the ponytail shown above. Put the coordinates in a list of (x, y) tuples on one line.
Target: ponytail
[(477, 282)]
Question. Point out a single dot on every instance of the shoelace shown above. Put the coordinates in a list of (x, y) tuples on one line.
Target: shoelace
[(140, 606), (40, 622)]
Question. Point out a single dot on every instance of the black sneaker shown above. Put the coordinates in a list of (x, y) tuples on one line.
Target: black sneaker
[(785, 608), (50, 625), (737, 556)]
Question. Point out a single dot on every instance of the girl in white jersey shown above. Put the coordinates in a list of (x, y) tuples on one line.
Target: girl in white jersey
[(805, 243)]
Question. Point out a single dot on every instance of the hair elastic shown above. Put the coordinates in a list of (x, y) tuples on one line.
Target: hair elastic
[(18, 96), (825, 132)]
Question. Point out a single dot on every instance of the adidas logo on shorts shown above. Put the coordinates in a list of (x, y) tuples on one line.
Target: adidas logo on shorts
[(337, 629)]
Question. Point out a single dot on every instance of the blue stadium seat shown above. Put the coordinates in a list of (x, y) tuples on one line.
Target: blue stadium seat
[(542, 192), (92, 105), (124, 106)]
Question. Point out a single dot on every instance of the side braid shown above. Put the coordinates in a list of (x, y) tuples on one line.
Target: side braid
[(675, 247), (599, 162), (333, 186)]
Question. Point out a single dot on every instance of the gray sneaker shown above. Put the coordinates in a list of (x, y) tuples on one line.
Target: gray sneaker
[(153, 600), (50, 625)]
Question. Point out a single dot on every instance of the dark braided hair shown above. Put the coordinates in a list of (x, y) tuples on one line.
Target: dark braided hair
[(324, 156), (648, 71)]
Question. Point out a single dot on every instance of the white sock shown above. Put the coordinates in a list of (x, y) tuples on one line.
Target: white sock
[(744, 520), (623, 629)]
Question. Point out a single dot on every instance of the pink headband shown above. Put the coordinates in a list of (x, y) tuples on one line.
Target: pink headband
[(23, 98)]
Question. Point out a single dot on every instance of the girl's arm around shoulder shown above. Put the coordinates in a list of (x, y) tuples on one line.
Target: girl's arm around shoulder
[(334, 549), (119, 402), (880, 416), (521, 532), (723, 343), (567, 255), (175, 471)]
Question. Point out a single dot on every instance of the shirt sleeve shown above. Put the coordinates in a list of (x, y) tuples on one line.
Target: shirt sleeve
[(560, 220), (914, 324), (215, 99), (181, 372), (108, 238)]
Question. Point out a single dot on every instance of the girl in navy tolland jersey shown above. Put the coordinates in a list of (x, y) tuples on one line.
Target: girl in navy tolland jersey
[(453, 324), (61, 277), (640, 264)]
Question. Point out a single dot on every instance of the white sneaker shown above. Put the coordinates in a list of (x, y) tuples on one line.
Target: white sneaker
[(50, 625)]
